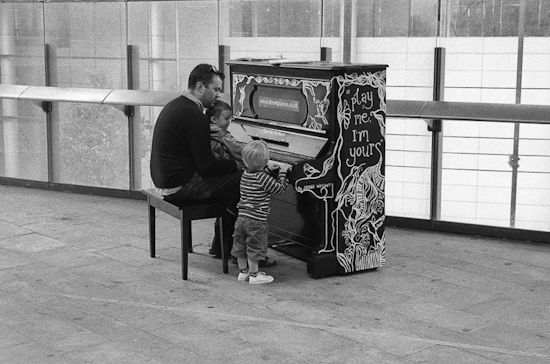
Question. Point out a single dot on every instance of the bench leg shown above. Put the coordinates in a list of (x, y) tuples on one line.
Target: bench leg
[(223, 248), (152, 237), (190, 238), (185, 235)]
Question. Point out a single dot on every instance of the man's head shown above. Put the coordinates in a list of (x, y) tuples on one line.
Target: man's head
[(205, 83)]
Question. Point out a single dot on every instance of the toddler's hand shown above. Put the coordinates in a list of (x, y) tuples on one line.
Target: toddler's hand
[(272, 169), (288, 168)]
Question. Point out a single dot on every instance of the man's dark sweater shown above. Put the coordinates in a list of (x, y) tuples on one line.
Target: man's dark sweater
[(181, 146)]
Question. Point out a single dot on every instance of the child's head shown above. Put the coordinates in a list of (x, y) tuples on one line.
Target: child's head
[(255, 155), (220, 114)]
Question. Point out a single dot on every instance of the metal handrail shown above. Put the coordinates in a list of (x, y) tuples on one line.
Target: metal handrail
[(480, 111), (428, 110)]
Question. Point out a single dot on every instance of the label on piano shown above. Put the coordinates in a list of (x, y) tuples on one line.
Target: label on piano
[(277, 103)]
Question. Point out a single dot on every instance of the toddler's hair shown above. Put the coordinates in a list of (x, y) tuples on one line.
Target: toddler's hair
[(217, 109), (255, 155)]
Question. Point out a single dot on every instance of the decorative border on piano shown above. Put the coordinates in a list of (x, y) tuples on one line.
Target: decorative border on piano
[(316, 92)]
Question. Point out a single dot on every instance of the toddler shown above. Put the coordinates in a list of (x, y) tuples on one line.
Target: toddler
[(224, 145), (251, 227)]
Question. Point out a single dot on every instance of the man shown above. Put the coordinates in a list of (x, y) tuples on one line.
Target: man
[(182, 164)]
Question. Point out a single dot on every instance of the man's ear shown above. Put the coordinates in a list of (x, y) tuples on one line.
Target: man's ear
[(199, 87)]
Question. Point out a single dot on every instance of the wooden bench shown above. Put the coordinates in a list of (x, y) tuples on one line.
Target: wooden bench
[(186, 214)]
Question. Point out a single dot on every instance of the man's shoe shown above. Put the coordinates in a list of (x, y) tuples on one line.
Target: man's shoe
[(214, 252), (260, 278), (267, 262)]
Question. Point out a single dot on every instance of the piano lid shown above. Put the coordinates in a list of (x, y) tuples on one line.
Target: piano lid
[(305, 64)]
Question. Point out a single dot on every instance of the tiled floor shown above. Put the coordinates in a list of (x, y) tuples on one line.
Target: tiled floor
[(77, 285)]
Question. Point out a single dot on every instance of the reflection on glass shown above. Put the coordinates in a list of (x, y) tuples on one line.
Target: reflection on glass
[(86, 40), (23, 152), (93, 144), (275, 28), (88, 49)]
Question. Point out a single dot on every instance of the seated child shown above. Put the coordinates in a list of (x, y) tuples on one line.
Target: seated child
[(224, 145), (251, 227)]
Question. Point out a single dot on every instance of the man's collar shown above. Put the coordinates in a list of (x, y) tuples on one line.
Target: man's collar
[(194, 99)]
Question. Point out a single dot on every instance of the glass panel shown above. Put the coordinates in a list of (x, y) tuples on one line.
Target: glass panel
[(533, 193), (476, 176), (366, 24), (393, 18), (168, 48), (148, 116), (93, 145), (480, 69), (272, 28), (196, 44), (21, 44), (423, 18), (273, 18), (331, 18), (537, 18), (88, 42), (23, 150), (408, 165), (88, 49), (497, 18)]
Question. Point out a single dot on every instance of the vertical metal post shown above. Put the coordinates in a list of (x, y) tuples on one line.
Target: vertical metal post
[(514, 158), (49, 127), (52, 117), (224, 55), (346, 27), (437, 135), (133, 114), (326, 54)]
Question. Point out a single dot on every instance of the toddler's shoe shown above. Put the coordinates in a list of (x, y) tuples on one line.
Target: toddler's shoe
[(260, 278), (243, 276)]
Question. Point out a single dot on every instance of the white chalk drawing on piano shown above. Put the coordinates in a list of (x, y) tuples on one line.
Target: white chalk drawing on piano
[(316, 93), (237, 79), (362, 188), (321, 106), (323, 192)]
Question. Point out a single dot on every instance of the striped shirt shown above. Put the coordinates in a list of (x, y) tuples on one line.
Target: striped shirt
[(256, 191)]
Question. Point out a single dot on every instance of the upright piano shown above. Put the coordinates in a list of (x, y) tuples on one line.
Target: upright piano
[(327, 120)]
